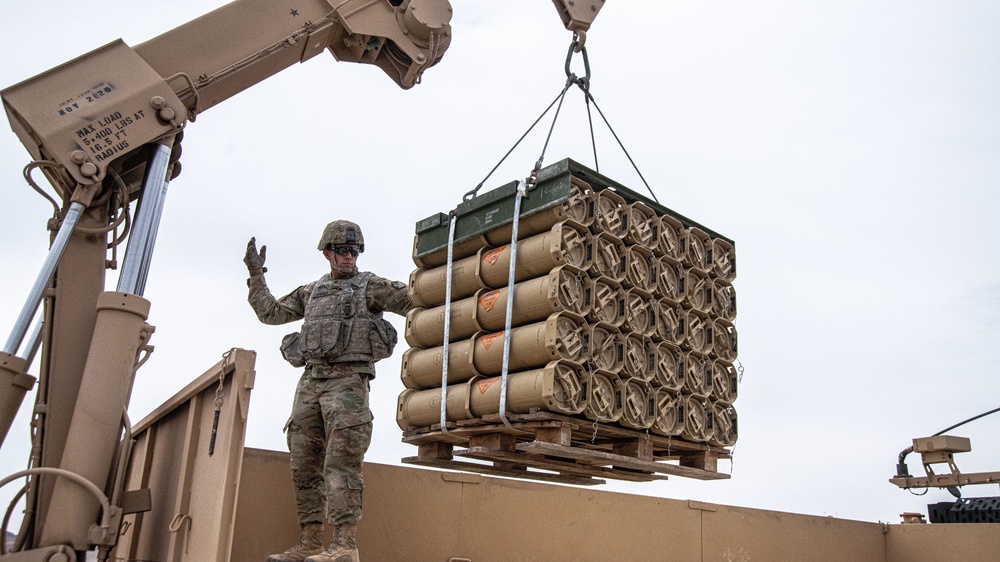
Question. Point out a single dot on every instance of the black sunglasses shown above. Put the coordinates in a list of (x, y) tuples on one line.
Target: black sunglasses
[(346, 251)]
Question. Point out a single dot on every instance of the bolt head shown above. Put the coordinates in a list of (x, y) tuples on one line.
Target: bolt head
[(88, 169), (78, 157)]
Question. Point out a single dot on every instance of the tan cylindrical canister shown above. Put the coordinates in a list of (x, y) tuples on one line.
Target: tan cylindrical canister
[(640, 312), (639, 408), (724, 336), (723, 259), (669, 283), (427, 287), (698, 290), (695, 427), (640, 357), (612, 214), (564, 289), (610, 259), (565, 243), (668, 421), (723, 300), (696, 374), (668, 366), (699, 254), (605, 402), (579, 207), (425, 326), (640, 268), (607, 347), (672, 238), (609, 302), (462, 249), (421, 368), (671, 322), (560, 336), (558, 387), (643, 226), (699, 332), (725, 387), (724, 432), (422, 408)]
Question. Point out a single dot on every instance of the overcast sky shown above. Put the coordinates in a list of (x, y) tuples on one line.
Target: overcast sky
[(850, 148)]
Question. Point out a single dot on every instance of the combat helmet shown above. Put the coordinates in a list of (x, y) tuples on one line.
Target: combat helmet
[(342, 232)]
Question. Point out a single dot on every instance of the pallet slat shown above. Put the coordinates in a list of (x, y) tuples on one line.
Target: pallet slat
[(555, 448)]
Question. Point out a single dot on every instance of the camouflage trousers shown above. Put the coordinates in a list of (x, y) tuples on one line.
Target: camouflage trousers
[(328, 434)]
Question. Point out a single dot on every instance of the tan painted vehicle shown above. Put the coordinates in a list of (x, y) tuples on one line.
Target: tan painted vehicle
[(105, 130)]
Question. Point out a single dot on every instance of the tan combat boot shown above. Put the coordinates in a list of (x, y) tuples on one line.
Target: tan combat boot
[(310, 542), (343, 547)]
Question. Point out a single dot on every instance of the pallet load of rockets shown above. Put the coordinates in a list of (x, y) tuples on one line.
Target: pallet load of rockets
[(623, 313)]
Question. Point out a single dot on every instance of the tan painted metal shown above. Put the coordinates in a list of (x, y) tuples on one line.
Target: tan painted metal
[(669, 279), (607, 347), (639, 404), (612, 214), (640, 357), (558, 387), (192, 467), (606, 402), (640, 312), (16, 382), (941, 449), (669, 366), (609, 257), (672, 238), (671, 322), (578, 15), (699, 254), (692, 411), (418, 514), (668, 421), (120, 333), (560, 336), (565, 288), (563, 243), (609, 302)]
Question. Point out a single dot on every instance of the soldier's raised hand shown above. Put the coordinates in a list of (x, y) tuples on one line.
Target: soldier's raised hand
[(254, 260)]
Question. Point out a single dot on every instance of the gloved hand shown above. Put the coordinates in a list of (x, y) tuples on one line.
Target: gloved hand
[(255, 261)]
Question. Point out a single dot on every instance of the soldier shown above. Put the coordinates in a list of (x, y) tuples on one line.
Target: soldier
[(343, 335)]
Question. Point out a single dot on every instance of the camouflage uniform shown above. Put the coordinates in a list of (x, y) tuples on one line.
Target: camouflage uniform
[(330, 426)]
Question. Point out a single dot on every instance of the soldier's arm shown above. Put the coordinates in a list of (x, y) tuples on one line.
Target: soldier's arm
[(270, 310), (384, 295)]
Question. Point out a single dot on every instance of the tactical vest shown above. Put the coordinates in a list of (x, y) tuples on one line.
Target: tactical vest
[(338, 326)]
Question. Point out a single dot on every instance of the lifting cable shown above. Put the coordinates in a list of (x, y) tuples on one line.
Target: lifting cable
[(584, 84)]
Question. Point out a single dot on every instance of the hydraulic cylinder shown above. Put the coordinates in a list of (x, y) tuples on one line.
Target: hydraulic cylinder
[(119, 333)]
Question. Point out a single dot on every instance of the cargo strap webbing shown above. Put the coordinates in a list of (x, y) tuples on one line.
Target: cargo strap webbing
[(522, 188), (447, 323)]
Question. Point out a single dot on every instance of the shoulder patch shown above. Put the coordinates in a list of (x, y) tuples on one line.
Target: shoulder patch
[(398, 285)]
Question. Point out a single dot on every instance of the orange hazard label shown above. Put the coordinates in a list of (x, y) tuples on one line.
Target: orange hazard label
[(489, 299), (485, 384), (488, 339), (493, 255)]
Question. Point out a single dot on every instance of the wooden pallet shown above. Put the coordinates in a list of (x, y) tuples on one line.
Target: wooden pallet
[(555, 448)]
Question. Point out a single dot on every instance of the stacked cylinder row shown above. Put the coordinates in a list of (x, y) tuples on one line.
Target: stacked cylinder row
[(620, 316)]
